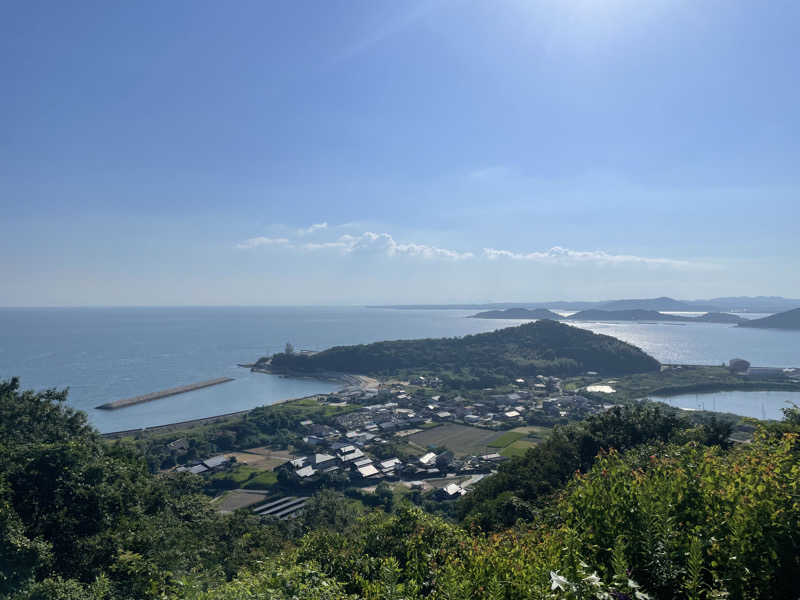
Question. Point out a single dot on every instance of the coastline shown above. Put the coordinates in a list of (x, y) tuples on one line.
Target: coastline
[(347, 380)]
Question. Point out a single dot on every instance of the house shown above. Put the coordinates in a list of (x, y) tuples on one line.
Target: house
[(391, 464), (351, 456), (428, 459), (197, 469), (322, 460), (368, 471), (215, 461), (362, 462), (305, 472), (452, 490)]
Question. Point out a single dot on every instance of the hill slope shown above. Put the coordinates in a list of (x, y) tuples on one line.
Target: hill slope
[(542, 347), (785, 320)]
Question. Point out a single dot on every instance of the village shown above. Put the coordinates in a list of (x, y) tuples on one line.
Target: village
[(414, 435)]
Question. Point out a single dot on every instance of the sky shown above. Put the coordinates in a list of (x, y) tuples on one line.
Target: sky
[(369, 151)]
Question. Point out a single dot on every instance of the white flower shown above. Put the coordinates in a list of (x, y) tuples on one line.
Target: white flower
[(593, 579), (632, 584), (557, 582), (641, 595), (603, 596), (583, 565)]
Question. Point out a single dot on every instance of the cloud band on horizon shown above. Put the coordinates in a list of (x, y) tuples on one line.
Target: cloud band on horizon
[(371, 243)]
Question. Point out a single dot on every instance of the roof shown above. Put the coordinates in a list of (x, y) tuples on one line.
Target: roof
[(452, 489), (392, 462), (215, 461), (352, 455), (323, 458), (368, 470), (362, 461), (428, 458), (511, 414), (305, 471), (197, 469)]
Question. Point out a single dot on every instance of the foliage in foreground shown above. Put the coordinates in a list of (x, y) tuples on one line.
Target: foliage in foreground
[(81, 520), (661, 522)]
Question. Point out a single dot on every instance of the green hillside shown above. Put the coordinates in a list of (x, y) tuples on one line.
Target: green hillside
[(543, 347)]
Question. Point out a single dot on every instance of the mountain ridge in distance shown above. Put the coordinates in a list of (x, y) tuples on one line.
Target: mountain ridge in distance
[(756, 304)]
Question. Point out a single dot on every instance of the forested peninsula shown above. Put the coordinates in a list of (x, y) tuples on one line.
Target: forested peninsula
[(541, 348)]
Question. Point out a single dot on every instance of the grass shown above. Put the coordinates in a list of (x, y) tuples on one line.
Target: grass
[(517, 448), (262, 481), (509, 437), (534, 432)]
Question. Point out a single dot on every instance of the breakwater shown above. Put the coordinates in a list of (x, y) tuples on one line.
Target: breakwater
[(162, 394)]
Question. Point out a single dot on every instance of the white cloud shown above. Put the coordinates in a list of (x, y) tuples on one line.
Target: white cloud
[(313, 228), (383, 243), (560, 255), (255, 242)]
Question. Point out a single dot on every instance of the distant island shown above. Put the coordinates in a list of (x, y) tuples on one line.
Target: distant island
[(785, 320), (541, 348), (608, 315), (519, 313), (753, 304), (652, 315)]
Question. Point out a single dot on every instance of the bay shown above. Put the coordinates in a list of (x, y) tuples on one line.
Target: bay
[(759, 405)]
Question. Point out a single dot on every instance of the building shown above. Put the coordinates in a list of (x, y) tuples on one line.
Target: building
[(428, 459)]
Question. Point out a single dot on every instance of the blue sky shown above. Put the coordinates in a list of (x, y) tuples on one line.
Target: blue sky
[(370, 152)]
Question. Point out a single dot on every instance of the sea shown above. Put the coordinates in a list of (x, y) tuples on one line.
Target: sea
[(106, 354)]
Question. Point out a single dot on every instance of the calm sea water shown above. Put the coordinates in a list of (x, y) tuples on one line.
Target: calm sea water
[(105, 354), (760, 405)]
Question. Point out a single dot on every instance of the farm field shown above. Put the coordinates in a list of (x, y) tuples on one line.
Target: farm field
[(462, 440), (534, 432), (509, 437), (237, 499), (517, 448), (263, 458)]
